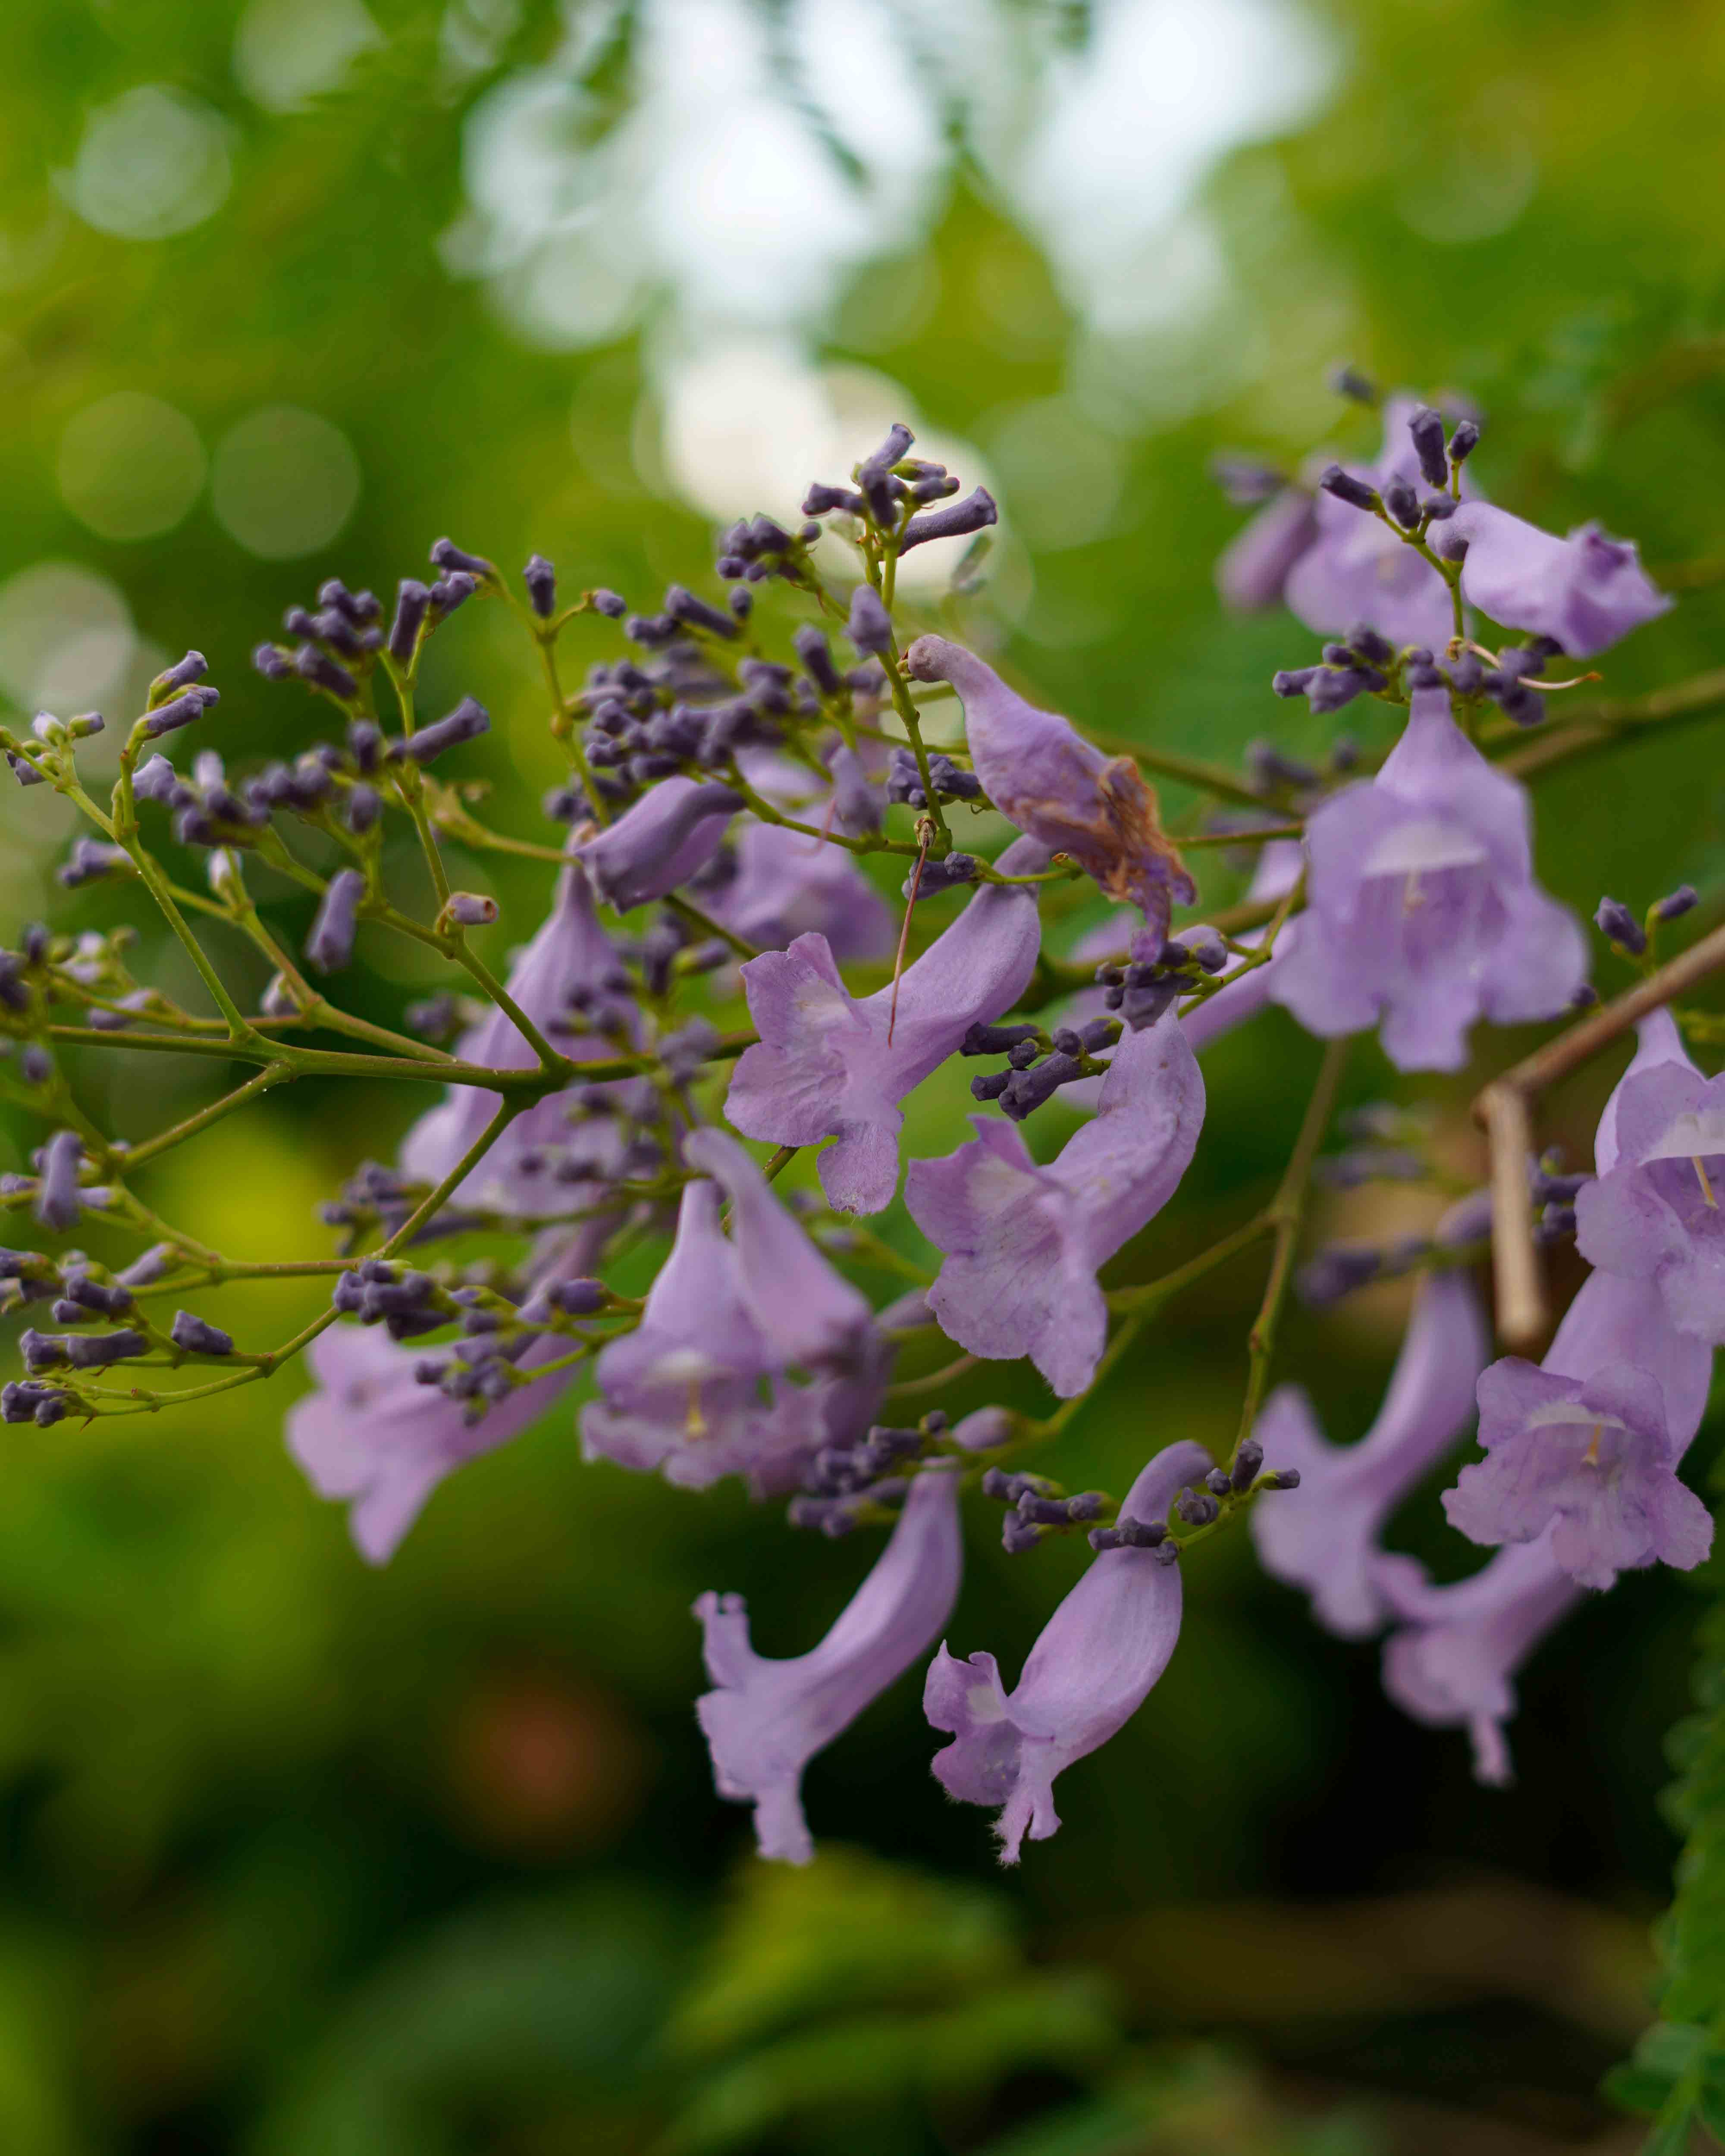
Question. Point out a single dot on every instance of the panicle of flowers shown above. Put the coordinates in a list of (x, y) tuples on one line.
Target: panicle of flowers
[(774, 904)]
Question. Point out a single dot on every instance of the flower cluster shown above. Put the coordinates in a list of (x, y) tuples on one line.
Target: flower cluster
[(762, 926)]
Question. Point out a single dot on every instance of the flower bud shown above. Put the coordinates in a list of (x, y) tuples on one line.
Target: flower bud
[(541, 579)]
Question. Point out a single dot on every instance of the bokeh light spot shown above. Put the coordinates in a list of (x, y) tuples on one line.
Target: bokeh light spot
[(287, 52), (285, 482), (129, 465), (66, 638), (152, 163)]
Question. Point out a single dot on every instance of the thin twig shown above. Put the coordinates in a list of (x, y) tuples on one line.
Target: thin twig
[(925, 832)]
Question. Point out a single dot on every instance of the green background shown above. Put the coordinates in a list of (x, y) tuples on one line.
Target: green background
[(297, 1856)]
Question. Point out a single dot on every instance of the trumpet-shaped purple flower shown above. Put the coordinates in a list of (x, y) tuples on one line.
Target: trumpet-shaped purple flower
[(1654, 1214), (1593, 1459), (1043, 775), (1454, 1661), (766, 1719), (1324, 1536), (788, 886), (1024, 1243), (824, 1067), (1423, 912), (1356, 570), (371, 1432), (1583, 1450), (1088, 1673), (1253, 569), (659, 841), (1657, 1040), (1586, 591), (701, 1388), (570, 958)]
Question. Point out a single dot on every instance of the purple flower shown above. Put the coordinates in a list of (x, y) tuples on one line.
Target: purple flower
[(701, 1388), (1593, 1459), (1423, 911), (1586, 591), (1455, 1659), (1042, 775), (1324, 1536), (788, 886), (1024, 1242), (1657, 1040), (1654, 1215), (1356, 570), (661, 840), (823, 1066), (1583, 1450), (1087, 1674), (371, 1432), (1254, 567), (766, 1719), (570, 957)]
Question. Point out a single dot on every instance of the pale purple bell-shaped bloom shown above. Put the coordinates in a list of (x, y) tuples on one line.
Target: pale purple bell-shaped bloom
[(372, 1433), (1253, 566), (1583, 1450), (1657, 1040), (1454, 1660), (788, 884), (1323, 1537), (701, 1388), (1042, 775), (659, 841), (1024, 1243), (1654, 1214), (824, 1067), (1586, 591), (570, 955), (766, 1719), (1088, 1673), (1422, 911), (1592, 1459), (1356, 570)]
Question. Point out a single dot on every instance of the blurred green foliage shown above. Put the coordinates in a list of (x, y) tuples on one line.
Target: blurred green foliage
[(298, 1857)]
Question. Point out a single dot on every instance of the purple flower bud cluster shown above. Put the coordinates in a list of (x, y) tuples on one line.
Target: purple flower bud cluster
[(952, 783), (1038, 1065), (1332, 1273)]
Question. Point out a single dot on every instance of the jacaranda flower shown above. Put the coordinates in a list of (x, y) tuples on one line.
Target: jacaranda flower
[(1422, 911), (1324, 1536), (701, 1388), (1042, 775), (765, 1720), (1454, 1661), (570, 964), (1088, 1673), (1586, 591), (372, 1433), (1654, 1215), (1024, 1243), (824, 1067)]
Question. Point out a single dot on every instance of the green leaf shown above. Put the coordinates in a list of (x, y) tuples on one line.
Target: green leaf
[(852, 1930)]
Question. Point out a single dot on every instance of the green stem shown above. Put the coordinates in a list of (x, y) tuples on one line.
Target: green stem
[(1149, 1295), (707, 925), (272, 1074), (1287, 1210)]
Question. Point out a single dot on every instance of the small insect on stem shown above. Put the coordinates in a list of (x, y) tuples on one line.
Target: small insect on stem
[(925, 836)]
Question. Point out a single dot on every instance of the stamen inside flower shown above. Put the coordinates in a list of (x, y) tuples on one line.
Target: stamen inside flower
[(1701, 1177)]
